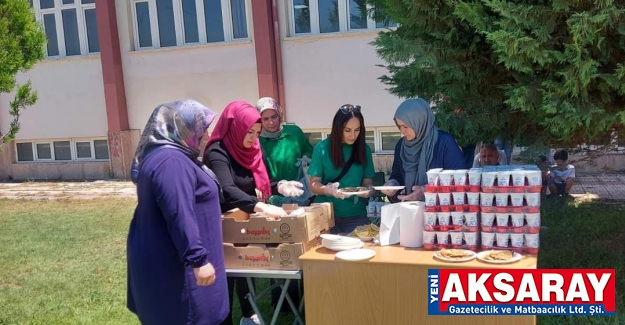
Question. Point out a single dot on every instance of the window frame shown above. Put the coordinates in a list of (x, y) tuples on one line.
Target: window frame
[(57, 11), (36, 153), (73, 150), (344, 21), (226, 14), (380, 132), (377, 137)]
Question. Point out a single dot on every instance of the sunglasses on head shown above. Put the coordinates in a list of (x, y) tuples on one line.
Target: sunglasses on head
[(345, 109)]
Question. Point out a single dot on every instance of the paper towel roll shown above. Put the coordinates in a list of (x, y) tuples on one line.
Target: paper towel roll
[(389, 224), (411, 224)]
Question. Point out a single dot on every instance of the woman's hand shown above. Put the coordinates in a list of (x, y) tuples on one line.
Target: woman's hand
[(205, 275), (390, 182), (273, 211), (290, 188), (332, 189), (369, 193), (416, 195)]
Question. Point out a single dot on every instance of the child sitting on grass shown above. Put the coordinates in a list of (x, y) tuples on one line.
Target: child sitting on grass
[(562, 174)]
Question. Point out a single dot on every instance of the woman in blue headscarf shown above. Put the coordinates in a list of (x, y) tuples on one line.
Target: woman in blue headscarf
[(176, 271), (422, 147)]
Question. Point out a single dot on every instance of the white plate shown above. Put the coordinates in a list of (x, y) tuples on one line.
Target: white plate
[(356, 254), (389, 188), (340, 239), (516, 257), (354, 193), (345, 248), (454, 260)]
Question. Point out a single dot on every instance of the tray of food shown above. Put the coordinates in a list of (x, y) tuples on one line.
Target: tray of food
[(454, 255), (365, 232), (499, 256), (354, 190)]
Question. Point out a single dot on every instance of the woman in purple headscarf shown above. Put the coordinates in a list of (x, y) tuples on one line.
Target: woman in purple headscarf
[(176, 272)]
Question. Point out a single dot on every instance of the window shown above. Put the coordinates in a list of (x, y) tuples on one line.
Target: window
[(315, 137), (62, 150), (370, 140), (332, 16), (389, 140), (70, 26), (381, 140), (167, 23)]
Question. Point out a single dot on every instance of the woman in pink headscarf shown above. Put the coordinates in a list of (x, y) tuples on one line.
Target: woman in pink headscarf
[(234, 154)]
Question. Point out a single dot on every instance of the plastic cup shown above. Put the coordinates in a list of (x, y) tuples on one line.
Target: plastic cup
[(433, 177), (532, 242), (518, 220), (501, 199), (378, 208), (473, 198), (429, 220), (503, 239), (487, 199), (429, 239), (502, 219), (533, 222), (442, 237), (371, 209), (533, 199), (456, 239), (517, 199), (444, 198), (443, 220), (458, 198), (430, 199), (488, 239), (470, 239), (518, 178), (488, 219), (516, 240), (503, 178), (534, 177), (457, 219), (470, 220), (445, 177), (533, 219), (475, 177), (488, 178), (460, 177)]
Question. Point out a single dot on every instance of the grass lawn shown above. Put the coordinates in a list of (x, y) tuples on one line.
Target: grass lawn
[(63, 262)]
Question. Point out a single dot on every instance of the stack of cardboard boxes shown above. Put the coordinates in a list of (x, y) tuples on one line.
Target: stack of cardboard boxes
[(257, 242)]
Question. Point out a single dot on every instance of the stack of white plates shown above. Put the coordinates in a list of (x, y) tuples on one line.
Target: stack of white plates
[(340, 243)]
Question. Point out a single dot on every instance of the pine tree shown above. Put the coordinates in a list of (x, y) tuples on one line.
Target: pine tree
[(534, 72), (22, 42)]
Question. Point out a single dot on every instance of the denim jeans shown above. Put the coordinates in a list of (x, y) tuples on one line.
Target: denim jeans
[(348, 224)]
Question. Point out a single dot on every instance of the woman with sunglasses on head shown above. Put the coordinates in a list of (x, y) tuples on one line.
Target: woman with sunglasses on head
[(343, 160), (422, 147), (233, 152)]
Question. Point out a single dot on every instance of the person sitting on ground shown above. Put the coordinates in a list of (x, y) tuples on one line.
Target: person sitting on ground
[(489, 155), (562, 174)]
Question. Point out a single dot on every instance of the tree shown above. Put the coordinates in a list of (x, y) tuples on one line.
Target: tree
[(535, 72), (22, 42)]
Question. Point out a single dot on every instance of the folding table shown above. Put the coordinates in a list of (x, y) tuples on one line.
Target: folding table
[(283, 279)]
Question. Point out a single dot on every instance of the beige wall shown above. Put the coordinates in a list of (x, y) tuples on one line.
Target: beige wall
[(71, 100), (323, 72), (214, 74)]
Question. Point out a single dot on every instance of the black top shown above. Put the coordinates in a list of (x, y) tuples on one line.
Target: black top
[(237, 182)]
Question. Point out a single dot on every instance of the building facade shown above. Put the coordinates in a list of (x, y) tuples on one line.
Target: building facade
[(110, 62)]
